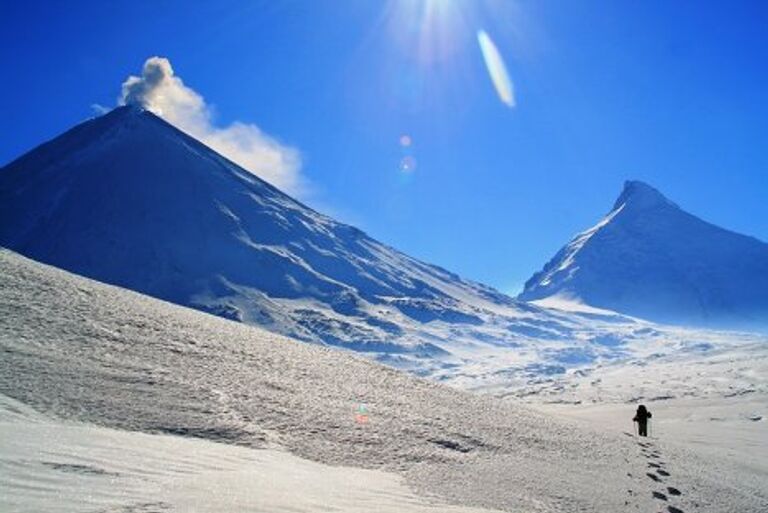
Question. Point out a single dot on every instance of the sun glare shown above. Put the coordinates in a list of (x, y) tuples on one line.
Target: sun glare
[(435, 42)]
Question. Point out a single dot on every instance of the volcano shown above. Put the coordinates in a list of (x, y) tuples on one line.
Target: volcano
[(130, 200)]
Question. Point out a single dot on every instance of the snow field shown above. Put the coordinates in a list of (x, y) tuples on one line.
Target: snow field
[(79, 350)]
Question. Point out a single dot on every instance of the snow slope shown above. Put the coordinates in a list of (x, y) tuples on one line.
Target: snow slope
[(711, 400), (85, 351), (649, 258), (51, 465)]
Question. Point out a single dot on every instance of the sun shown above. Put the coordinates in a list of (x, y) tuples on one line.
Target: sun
[(444, 38)]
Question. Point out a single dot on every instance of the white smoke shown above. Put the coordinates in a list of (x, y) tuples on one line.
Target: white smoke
[(163, 93)]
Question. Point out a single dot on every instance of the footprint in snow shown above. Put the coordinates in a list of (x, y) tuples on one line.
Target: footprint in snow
[(673, 491), (653, 476), (673, 509), (654, 465), (660, 496), (663, 473)]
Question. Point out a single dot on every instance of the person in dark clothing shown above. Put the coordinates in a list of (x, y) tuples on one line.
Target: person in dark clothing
[(641, 417)]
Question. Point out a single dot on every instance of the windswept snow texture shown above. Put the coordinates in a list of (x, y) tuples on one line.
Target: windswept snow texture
[(89, 352), (129, 200), (650, 259), (50, 465)]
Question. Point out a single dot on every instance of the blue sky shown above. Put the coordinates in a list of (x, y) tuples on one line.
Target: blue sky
[(672, 93)]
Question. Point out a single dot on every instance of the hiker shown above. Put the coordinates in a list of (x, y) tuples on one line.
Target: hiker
[(641, 417)]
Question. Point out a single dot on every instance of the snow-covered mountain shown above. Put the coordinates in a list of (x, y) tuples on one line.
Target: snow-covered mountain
[(130, 200), (649, 258)]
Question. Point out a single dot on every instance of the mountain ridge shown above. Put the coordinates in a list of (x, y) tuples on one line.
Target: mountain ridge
[(649, 258)]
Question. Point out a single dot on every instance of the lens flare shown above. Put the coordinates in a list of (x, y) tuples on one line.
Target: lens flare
[(361, 415), (496, 69), (408, 164)]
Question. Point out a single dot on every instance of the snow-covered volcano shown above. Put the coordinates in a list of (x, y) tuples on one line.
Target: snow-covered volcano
[(651, 259), (130, 200)]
